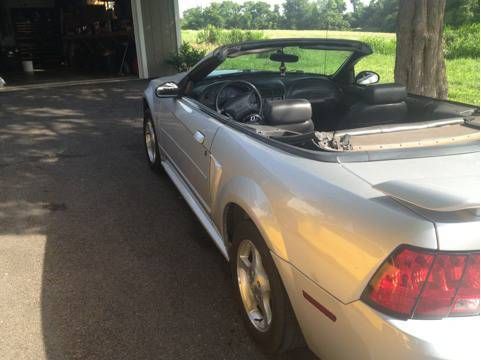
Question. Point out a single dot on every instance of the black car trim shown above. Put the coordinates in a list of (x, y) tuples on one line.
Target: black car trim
[(361, 156), (216, 57)]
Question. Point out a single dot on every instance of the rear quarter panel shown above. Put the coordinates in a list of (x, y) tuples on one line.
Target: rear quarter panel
[(325, 221)]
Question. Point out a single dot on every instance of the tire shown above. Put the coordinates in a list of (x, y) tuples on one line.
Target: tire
[(151, 145), (283, 332)]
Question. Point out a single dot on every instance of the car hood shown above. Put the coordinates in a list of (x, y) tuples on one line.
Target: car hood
[(444, 190)]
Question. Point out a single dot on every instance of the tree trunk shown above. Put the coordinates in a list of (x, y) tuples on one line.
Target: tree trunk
[(419, 50)]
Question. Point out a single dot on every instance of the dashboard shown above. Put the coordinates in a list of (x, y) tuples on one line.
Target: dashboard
[(270, 90), (327, 97)]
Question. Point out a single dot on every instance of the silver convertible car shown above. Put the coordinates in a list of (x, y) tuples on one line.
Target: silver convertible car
[(347, 209)]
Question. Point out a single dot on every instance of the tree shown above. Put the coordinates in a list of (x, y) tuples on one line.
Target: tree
[(460, 12), (296, 13), (379, 15), (193, 19), (213, 16), (419, 51), (355, 17), (356, 5), (231, 13), (331, 14), (257, 15), (276, 17)]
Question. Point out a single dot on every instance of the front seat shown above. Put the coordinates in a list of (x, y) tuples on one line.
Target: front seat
[(324, 96), (289, 114), (379, 104)]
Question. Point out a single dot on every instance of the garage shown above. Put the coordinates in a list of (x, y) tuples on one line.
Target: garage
[(44, 41)]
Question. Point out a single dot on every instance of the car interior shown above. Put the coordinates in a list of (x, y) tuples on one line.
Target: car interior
[(288, 104)]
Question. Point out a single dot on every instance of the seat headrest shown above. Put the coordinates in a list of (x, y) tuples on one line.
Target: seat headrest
[(288, 111), (384, 94)]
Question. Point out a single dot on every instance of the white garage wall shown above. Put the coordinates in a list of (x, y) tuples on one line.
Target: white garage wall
[(157, 34)]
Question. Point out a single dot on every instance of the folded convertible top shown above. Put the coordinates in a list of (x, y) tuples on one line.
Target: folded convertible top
[(397, 136)]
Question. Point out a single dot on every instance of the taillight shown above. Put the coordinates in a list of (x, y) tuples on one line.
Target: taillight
[(419, 283)]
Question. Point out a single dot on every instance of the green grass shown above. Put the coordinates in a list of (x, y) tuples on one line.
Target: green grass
[(310, 61), (463, 73)]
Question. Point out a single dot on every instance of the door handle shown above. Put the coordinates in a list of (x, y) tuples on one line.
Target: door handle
[(199, 137)]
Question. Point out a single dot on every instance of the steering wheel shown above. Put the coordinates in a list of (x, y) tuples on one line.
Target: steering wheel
[(246, 107)]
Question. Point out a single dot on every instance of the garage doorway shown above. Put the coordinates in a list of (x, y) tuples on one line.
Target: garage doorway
[(45, 41)]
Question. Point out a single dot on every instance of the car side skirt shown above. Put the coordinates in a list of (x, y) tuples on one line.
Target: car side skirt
[(196, 207)]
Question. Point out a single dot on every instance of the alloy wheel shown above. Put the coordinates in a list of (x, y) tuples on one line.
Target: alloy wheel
[(254, 286), (150, 142)]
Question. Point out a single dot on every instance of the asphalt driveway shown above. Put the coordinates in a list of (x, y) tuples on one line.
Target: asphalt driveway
[(99, 257)]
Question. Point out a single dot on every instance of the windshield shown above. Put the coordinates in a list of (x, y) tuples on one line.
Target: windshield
[(312, 61)]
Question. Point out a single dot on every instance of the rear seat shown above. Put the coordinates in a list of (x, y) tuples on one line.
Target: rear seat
[(376, 105)]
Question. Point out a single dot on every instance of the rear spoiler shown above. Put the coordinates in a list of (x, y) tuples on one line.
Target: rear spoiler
[(429, 198)]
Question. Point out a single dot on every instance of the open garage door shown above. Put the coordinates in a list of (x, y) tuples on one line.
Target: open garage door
[(43, 41)]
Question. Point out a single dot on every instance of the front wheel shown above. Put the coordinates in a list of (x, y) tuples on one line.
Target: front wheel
[(150, 142), (264, 303)]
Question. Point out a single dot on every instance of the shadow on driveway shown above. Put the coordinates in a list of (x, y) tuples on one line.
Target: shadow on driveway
[(99, 257)]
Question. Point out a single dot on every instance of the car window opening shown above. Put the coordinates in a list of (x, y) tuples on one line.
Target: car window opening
[(309, 97)]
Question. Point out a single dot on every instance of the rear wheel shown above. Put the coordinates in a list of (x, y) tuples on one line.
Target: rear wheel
[(264, 303), (150, 141)]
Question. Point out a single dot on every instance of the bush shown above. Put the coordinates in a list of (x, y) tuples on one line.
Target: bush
[(381, 46), (215, 36), (462, 42), (237, 36), (186, 57), (209, 35)]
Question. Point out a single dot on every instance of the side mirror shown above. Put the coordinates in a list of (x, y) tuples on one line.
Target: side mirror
[(168, 89), (367, 78)]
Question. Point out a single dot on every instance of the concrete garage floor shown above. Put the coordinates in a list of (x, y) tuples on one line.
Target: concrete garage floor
[(99, 257)]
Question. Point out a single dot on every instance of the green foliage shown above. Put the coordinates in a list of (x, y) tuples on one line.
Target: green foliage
[(193, 19), (323, 14), (462, 73), (461, 12), (331, 15), (297, 14), (462, 42), (215, 36), (256, 15), (209, 35), (186, 57), (312, 61), (377, 15), (229, 15), (380, 45), (236, 36)]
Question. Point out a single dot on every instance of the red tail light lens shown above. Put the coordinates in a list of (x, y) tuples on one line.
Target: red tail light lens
[(466, 301), (419, 283)]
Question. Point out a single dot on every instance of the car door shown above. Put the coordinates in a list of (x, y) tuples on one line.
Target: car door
[(187, 138)]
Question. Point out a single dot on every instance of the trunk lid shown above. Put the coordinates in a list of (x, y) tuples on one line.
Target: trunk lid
[(444, 190)]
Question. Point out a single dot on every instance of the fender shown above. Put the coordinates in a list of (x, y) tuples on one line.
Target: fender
[(318, 225), (248, 195), (148, 97)]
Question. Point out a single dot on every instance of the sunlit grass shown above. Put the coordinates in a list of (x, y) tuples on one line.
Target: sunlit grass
[(463, 80), (463, 74), (331, 34), (310, 61)]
